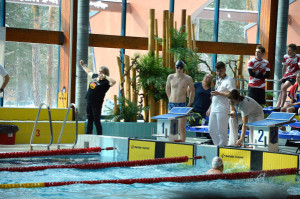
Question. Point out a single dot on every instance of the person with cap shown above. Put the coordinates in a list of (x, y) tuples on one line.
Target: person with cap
[(177, 87), (216, 166), (6, 78)]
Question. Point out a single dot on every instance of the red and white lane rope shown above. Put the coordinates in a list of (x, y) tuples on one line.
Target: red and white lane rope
[(100, 165), (53, 152)]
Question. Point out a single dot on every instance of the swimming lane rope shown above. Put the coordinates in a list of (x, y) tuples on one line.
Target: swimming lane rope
[(53, 152), (197, 178), (101, 165)]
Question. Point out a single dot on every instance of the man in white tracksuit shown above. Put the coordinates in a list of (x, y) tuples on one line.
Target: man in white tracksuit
[(219, 110)]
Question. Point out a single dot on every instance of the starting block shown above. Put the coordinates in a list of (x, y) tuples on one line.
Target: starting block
[(265, 132), (167, 124)]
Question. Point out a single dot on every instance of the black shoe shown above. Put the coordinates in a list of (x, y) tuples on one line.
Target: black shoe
[(276, 109)]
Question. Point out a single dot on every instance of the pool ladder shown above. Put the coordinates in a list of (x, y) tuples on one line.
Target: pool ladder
[(64, 124), (35, 124), (51, 129)]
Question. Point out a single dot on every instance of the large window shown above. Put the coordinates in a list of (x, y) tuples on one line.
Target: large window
[(32, 67), (33, 74), (236, 21), (32, 16)]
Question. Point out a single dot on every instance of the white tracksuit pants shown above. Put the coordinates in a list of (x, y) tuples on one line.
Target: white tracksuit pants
[(218, 127)]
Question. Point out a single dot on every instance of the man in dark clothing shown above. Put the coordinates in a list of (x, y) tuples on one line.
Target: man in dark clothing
[(95, 96)]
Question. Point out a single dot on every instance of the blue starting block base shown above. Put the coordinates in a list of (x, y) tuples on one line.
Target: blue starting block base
[(267, 130), (167, 124)]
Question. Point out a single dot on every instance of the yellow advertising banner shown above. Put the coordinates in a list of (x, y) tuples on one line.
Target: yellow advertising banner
[(177, 150), (141, 150), (236, 157), (279, 161)]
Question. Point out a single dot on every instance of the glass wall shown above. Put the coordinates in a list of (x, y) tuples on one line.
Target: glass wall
[(237, 22), (33, 74), (32, 67), (39, 15)]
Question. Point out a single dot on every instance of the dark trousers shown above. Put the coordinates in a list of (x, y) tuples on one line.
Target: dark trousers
[(93, 111), (258, 94)]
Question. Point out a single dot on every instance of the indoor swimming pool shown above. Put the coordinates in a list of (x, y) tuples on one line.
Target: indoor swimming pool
[(276, 187)]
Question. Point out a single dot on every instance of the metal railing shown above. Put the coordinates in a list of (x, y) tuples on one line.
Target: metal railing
[(35, 125), (274, 99), (64, 124), (243, 82)]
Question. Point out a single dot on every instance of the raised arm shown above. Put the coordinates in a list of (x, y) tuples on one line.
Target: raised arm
[(86, 69), (112, 82)]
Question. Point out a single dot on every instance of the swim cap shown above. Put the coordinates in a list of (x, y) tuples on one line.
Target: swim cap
[(179, 64), (217, 162)]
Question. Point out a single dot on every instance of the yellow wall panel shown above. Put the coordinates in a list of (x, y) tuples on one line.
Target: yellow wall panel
[(15, 114), (279, 161), (5, 113), (141, 150), (177, 150), (42, 135), (29, 114), (60, 114)]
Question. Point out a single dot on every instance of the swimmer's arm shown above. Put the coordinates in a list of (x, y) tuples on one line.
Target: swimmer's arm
[(168, 87), (244, 127), (192, 92), (86, 69)]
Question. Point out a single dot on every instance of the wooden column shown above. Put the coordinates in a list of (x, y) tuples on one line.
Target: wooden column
[(127, 77), (189, 32), (65, 49), (164, 38), (151, 32), (267, 33), (74, 54), (183, 19)]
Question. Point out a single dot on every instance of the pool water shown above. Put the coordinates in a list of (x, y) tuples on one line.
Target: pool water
[(259, 187)]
